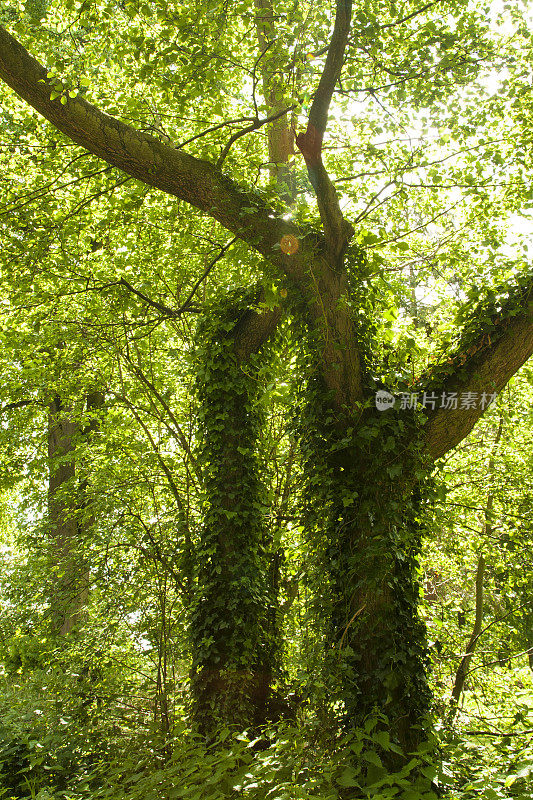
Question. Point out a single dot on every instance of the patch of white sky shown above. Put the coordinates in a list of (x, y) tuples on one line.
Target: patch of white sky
[(516, 227), (519, 225), (491, 82)]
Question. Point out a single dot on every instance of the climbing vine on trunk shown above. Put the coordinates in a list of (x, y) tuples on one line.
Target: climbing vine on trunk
[(365, 481), (231, 632)]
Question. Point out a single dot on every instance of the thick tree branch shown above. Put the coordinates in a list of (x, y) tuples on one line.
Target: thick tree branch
[(483, 366), (318, 116), (145, 158), (337, 231), (254, 330), (203, 186)]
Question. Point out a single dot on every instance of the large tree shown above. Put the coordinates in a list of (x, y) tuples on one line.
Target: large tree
[(365, 469)]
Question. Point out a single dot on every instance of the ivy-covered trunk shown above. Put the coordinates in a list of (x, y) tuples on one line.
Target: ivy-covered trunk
[(231, 633), (365, 478), (376, 630)]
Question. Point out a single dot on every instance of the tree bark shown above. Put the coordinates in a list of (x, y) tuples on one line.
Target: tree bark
[(484, 365), (70, 571), (280, 133), (154, 163), (68, 516), (322, 283), (368, 536)]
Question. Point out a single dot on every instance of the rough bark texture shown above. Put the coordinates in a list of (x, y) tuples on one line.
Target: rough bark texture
[(372, 538), (144, 157), (203, 186), (337, 231), (253, 331), (280, 132), (485, 366)]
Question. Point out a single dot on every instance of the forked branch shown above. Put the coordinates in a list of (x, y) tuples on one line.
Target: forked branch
[(149, 160), (336, 230)]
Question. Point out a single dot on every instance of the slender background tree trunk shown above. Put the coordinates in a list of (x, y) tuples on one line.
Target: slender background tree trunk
[(69, 519)]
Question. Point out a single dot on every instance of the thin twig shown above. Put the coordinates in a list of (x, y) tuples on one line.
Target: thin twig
[(201, 279), (359, 610), (255, 125)]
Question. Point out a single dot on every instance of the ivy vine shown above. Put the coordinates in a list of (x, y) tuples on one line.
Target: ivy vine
[(231, 632), (365, 481)]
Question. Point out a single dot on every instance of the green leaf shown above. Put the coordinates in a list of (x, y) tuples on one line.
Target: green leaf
[(347, 779), (372, 757)]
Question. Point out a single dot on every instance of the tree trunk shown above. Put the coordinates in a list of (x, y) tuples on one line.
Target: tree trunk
[(67, 515), (231, 634), (273, 65), (364, 486), (366, 515), (70, 572)]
